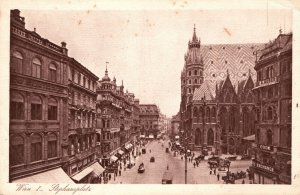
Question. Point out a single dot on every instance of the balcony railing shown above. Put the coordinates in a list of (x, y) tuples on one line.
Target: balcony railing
[(268, 81)]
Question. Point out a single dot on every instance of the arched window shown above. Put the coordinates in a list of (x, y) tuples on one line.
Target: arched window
[(270, 113), (201, 112), (16, 150), (52, 145), (227, 98), (36, 68), (16, 62), (190, 73), (195, 72), (16, 106), (190, 90), (36, 108), (269, 137), (250, 98), (52, 72), (208, 113), (195, 112), (213, 112), (52, 109), (190, 81), (197, 137), (210, 137), (36, 148)]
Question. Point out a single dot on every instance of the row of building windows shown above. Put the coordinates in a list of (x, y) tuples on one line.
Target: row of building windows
[(78, 144), (17, 63), (195, 72), (82, 80), (17, 108), (82, 99), (18, 150)]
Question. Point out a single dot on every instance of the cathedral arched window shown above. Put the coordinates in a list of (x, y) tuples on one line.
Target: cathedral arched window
[(195, 112), (250, 98), (208, 113)]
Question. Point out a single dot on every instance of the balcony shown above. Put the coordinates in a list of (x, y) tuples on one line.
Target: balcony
[(266, 82), (284, 150)]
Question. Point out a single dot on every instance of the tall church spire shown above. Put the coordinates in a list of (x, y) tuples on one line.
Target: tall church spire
[(194, 39), (195, 42)]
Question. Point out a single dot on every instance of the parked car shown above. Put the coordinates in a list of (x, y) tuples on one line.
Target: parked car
[(144, 151), (152, 159), (167, 178)]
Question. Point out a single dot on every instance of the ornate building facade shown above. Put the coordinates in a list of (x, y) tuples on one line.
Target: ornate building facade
[(217, 107), (81, 121), (273, 91), (38, 131), (116, 117)]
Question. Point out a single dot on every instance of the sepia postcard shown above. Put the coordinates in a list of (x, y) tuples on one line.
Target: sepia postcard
[(100, 96)]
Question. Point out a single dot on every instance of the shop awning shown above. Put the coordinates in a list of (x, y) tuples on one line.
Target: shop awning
[(52, 176), (177, 137), (113, 158), (121, 152), (128, 146), (79, 176), (98, 169), (250, 137)]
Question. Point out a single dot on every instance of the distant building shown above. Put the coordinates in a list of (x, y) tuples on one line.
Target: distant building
[(175, 123), (149, 117), (217, 103), (273, 99)]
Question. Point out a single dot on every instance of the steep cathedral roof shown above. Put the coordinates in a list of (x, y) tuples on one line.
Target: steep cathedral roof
[(238, 59), (204, 92)]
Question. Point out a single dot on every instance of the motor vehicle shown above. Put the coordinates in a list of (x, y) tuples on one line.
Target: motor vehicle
[(167, 178), (152, 159), (141, 168), (143, 151), (200, 157), (214, 158), (205, 152), (231, 158), (167, 150), (213, 164)]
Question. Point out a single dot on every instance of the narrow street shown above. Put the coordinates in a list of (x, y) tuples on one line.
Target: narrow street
[(154, 170)]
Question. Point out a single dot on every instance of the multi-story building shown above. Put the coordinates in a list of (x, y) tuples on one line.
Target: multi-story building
[(273, 91), (135, 127), (175, 122), (149, 116), (114, 117), (38, 132), (81, 121), (217, 103)]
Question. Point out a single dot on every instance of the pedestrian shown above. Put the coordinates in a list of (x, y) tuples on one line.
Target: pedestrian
[(194, 164), (218, 176), (210, 172), (109, 177), (243, 182), (215, 171), (150, 151), (120, 172), (167, 167), (100, 179), (181, 157)]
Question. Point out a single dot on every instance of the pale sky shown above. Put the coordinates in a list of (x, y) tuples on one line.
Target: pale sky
[(146, 49)]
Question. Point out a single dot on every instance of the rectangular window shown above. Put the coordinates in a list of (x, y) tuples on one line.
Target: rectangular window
[(52, 112), (16, 154), (17, 110), (36, 71), (36, 112), (36, 151), (52, 75), (52, 149)]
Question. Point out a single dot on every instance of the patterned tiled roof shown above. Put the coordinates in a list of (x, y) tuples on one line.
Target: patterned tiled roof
[(203, 91), (238, 59)]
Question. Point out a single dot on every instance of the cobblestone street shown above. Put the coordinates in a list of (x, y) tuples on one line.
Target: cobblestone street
[(154, 171)]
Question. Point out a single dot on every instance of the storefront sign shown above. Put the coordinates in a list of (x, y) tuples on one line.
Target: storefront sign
[(264, 147), (265, 167)]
